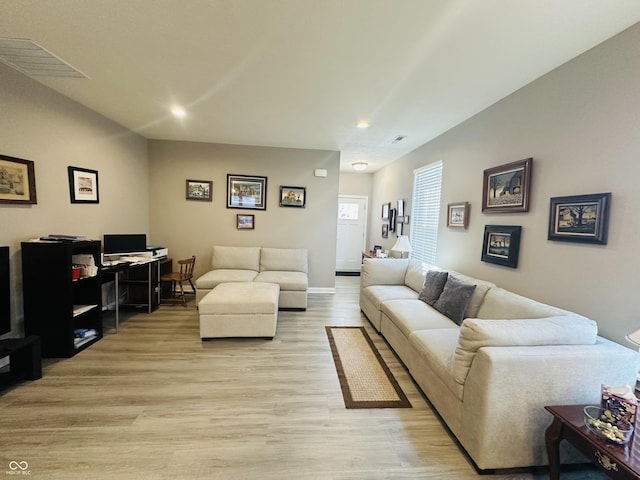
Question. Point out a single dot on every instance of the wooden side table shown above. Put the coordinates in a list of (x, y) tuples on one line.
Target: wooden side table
[(616, 461)]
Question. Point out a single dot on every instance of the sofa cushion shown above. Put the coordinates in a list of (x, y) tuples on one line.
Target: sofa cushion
[(384, 271), (378, 294), (454, 299), (235, 258), (288, 281), (559, 330), (214, 277), (284, 259), (482, 287), (411, 315), (414, 278), (433, 286), (503, 304)]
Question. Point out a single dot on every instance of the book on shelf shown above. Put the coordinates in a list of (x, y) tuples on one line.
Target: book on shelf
[(80, 309)]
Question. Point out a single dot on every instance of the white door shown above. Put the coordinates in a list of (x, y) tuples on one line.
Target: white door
[(352, 224)]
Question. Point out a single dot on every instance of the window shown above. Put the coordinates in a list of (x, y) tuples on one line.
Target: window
[(426, 212)]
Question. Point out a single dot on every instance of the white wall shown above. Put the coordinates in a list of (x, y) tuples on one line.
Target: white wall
[(41, 125), (580, 124), (190, 227)]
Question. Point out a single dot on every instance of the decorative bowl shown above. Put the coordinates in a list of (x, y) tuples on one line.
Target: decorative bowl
[(597, 422)]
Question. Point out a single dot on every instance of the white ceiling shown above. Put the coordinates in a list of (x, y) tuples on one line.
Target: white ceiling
[(302, 73)]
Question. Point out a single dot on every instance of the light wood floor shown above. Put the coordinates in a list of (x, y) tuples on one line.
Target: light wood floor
[(155, 402)]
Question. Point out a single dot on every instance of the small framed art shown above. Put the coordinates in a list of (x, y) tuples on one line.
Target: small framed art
[(246, 192), (501, 245), (83, 185), (458, 215), (506, 188), (580, 218), (385, 230), (386, 207), (200, 190), (17, 180), (293, 196), (245, 222)]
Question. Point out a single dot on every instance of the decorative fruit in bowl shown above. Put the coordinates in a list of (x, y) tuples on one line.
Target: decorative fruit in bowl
[(597, 421)]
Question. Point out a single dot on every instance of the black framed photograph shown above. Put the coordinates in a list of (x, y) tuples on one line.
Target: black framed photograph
[(17, 180), (248, 192), (458, 215), (580, 218), (501, 245), (386, 207), (392, 220), (245, 222), (83, 185), (400, 209), (385, 230), (506, 188), (293, 196), (200, 190)]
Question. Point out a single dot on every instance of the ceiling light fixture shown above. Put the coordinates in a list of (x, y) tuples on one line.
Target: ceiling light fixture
[(178, 112), (359, 165), (362, 124)]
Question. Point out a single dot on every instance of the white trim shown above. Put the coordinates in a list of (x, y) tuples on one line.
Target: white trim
[(321, 290)]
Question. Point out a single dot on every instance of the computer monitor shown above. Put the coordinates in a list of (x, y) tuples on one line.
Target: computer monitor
[(124, 243)]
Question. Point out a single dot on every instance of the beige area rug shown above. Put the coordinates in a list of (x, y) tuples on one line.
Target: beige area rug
[(365, 379)]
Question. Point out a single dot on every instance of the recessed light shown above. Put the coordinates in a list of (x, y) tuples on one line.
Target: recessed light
[(178, 112), (359, 165), (362, 124)]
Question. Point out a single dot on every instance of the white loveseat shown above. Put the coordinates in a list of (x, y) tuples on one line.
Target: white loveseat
[(490, 378), (287, 267)]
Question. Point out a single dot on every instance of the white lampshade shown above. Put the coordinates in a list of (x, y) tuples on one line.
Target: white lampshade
[(634, 337), (402, 244)]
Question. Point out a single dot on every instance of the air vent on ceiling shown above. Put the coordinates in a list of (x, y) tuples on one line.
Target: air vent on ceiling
[(399, 138), (31, 59)]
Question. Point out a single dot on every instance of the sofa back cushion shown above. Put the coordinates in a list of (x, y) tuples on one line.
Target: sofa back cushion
[(284, 259), (499, 303), (383, 271), (558, 330), (415, 275), (235, 258)]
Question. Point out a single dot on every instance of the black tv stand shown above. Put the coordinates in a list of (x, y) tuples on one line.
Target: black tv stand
[(24, 360)]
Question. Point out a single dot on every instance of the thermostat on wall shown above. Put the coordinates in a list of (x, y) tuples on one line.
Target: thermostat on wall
[(320, 172)]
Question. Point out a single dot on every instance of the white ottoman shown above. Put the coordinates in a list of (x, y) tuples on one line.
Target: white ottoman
[(240, 309)]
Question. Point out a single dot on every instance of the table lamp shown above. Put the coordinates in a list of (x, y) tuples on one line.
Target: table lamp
[(634, 337), (402, 245)]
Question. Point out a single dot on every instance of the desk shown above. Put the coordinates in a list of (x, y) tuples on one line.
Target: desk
[(142, 281), (616, 461)]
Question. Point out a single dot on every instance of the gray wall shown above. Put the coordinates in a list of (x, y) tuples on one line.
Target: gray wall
[(190, 227), (40, 125), (580, 124)]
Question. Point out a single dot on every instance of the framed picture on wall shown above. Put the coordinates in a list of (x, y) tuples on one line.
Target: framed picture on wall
[(385, 230), (17, 180), (246, 192), (245, 222), (580, 218), (200, 190), (83, 185), (385, 210), (458, 215), (501, 245), (506, 188), (293, 196)]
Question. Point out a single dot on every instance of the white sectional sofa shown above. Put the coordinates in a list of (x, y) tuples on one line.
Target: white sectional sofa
[(490, 377), (287, 267)]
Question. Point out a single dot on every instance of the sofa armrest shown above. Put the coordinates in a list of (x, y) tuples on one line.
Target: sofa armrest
[(507, 388), (383, 271)]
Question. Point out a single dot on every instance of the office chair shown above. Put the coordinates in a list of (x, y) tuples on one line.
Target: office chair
[(184, 275)]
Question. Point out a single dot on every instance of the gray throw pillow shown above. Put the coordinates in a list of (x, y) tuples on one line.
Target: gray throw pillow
[(432, 287), (454, 299)]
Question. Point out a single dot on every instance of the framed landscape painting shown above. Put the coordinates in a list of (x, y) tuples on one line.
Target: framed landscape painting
[(17, 180), (458, 215), (580, 218), (245, 222), (293, 196), (506, 188), (246, 192), (501, 245), (199, 190), (83, 185)]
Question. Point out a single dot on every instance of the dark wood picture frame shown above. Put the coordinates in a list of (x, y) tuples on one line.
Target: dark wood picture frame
[(248, 192), (385, 230), (501, 245), (293, 196), (83, 185), (201, 190), (245, 222), (458, 215), (392, 220), (17, 181), (506, 188), (580, 218)]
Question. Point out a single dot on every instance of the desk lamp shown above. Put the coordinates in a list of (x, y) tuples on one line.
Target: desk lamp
[(402, 245)]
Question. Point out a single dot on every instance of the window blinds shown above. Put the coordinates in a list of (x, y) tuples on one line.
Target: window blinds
[(425, 213)]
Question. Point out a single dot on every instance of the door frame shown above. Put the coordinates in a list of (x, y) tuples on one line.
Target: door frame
[(366, 217)]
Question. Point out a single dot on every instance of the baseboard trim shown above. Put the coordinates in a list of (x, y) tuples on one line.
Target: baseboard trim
[(348, 274), (321, 290)]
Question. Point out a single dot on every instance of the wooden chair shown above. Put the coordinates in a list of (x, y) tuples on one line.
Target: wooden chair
[(184, 275)]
